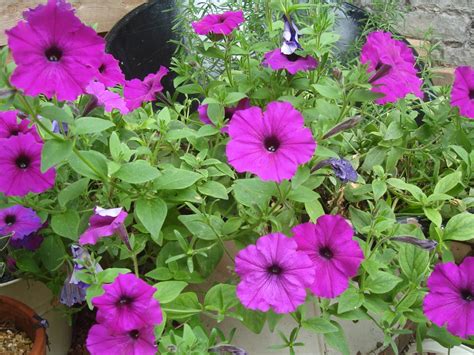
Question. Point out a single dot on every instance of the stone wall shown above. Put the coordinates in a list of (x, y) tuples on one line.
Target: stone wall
[(451, 22)]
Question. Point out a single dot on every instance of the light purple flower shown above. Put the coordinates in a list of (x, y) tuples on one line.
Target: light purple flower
[(270, 144), (109, 72), (30, 242), (111, 340), (450, 300), (219, 24), (137, 91), (462, 95), (12, 125), (128, 303), (56, 55), (108, 99), (20, 163), (19, 221), (342, 168), (273, 274), (228, 112), (82, 261), (292, 63), (392, 64), (336, 256), (290, 37), (72, 293), (104, 223)]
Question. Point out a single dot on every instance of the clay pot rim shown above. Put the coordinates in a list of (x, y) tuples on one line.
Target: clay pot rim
[(39, 343)]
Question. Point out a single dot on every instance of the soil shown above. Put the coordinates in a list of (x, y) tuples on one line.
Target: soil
[(83, 321), (13, 341)]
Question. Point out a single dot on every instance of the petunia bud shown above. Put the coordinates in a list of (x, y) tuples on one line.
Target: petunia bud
[(426, 244), (344, 126)]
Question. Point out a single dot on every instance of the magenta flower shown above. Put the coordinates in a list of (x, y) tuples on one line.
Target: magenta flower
[(137, 91), (462, 95), (228, 112), (128, 304), (56, 55), (107, 340), (270, 144), (109, 72), (104, 223), (29, 242), (293, 63), (336, 256), (450, 300), (219, 24), (393, 66), (19, 221), (273, 274), (20, 163), (12, 125), (108, 99)]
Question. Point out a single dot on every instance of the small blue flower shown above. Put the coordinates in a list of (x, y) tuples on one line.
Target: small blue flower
[(342, 169)]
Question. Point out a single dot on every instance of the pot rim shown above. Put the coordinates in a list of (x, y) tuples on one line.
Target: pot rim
[(11, 282)]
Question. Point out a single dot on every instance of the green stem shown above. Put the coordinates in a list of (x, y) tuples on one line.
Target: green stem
[(135, 264)]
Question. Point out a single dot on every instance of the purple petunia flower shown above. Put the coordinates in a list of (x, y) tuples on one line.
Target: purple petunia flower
[(273, 274), (110, 100), (20, 163), (462, 95), (228, 112), (128, 303), (109, 72), (219, 24), (290, 37), (270, 144), (292, 63), (19, 221), (72, 293), (104, 223), (137, 91), (342, 169), (106, 339), (450, 300), (11, 125), (29, 242), (393, 66), (336, 256), (56, 55)]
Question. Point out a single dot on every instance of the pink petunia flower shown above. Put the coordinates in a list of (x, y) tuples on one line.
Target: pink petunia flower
[(19, 221), (273, 274), (228, 113), (392, 64), (11, 125), (292, 63), (270, 144), (109, 72), (110, 340), (137, 91), (20, 163), (219, 24), (108, 99), (56, 55), (128, 304), (450, 300), (462, 95), (336, 256), (104, 223)]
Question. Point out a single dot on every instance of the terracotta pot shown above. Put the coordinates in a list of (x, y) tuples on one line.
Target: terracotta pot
[(23, 318)]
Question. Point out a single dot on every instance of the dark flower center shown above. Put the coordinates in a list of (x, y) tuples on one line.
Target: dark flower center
[(124, 301), (275, 269), (221, 19), (326, 253), (381, 69), (134, 334), (53, 54), (14, 132), (467, 295), (10, 219), (293, 57), (471, 94), (102, 68), (23, 162), (271, 144)]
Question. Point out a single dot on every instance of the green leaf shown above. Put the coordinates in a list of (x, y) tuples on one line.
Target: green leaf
[(394, 131), (415, 191), (137, 172), (379, 188), (72, 191), (447, 183), (251, 192), (89, 125), (350, 300), (375, 156), (98, 164), (233, 97), (52, 252), (460, 227), (442, 336), (152, 214), (303, 194), (55, 113), (363, 95), (414, 261), (168, 291), (319, 325), (253, 320), (328, 91), (176, 179), (433, 215), (198, 226), (221, 298), (382, 282), (213, 189), (54, 152), (314, 210), (338, 340), (190, 89), (66, 224), (184, 306)]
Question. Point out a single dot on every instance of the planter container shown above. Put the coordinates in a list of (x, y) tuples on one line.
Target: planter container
[(23, 318), (37, 296)]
